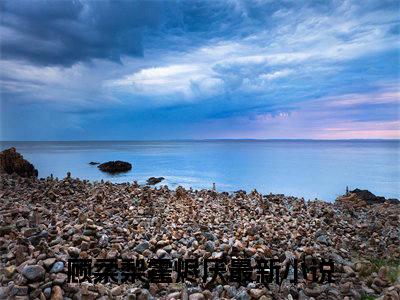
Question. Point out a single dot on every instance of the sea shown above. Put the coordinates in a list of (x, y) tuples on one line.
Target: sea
[(312, 169)]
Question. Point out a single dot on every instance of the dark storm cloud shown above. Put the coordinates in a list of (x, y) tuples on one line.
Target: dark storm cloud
[(65, 32)]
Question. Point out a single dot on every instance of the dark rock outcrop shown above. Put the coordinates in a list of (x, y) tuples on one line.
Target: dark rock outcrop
[(13, 162), (94, 163), (116, 166), (359, 197), (154, 180)]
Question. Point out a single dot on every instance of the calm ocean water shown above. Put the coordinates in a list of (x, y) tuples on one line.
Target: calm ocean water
[(309, 169)]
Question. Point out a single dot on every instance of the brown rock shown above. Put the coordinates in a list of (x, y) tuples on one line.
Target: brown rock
[(57, 293), (13, 162)]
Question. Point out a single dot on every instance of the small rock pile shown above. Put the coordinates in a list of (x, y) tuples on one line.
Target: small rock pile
[(44, 222)]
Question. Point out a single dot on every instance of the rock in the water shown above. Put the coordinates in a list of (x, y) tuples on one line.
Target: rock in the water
[(116, 166), (154, 180), (33, 272), (13, 162), (94, 163)]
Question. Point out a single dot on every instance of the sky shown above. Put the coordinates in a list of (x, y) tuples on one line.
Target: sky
[(151, 70)]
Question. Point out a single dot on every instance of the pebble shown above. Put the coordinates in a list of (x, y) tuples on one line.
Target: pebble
[(57, 267), (57, 293), (78, 218), (196, 296), (33, 272)]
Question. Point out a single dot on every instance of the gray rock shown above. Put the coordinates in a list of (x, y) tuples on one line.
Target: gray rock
[(47, 292), (324, 240), (35, 239), (33, 272), (103, 242), (209, 236), (161, 253), (57, 267), (18, 290), (142, 247), (242, 294), (210, 246)]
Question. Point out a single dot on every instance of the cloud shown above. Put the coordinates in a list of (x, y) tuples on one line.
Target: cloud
[(174, 79), (67, 32), (201, 62)]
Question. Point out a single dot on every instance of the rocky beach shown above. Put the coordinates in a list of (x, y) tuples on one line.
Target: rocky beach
[(44, 222)]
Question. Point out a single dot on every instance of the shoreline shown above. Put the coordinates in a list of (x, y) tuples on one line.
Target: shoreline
[(45, 222)]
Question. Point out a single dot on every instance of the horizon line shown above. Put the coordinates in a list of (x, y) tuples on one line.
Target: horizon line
[(202, 140)]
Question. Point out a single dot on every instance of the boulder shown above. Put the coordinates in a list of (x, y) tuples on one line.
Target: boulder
[(361, 198), (94, 163), (154, 180), (116, 166), (13, 162)]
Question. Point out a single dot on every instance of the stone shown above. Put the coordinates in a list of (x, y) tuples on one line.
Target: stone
[(142, 247), (57, 267), (74, 252), (161, 253), (103, 241), (57, 293), (33, 272), (348, 270), (47, 292), (116, 166), (209, 246), (18, 290), (175, 295), (10, 270), (196, 296), (116, 291), (154, 180), (48, 262), (209, 236), (13, 162), (256, 293), (315, 292)]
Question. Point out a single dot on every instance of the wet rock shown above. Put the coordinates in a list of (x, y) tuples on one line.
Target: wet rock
[(33, 272), (94, 163), (154, 180), (13, 162), (115, 166)]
